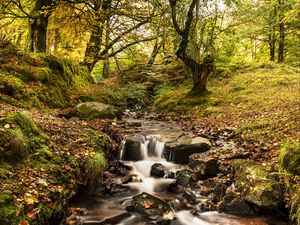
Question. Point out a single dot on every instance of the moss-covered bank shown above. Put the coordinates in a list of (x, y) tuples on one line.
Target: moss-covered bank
[(289, 165), (38, 80), (40, 169)]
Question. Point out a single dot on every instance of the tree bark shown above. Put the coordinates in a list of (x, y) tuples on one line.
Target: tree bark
[(38, 24), (155, 51), (94, 44), (272, 33), (272, 44), (55, 41), (281, 33), (105, 70)]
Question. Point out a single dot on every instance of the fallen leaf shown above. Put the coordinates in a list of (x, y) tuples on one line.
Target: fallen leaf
[(147, 204), (23, 222), (30, 199), (32, 214)]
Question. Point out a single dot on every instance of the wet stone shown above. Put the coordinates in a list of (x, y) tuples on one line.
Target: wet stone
[(157, 170), (132, 148), (233, 204), (150, 207), (119, 168), (179, 153), (204, 166), (185, 178)]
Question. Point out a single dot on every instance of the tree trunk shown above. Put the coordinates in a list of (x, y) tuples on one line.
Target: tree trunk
[(272, 33), (56, 40), (272, 41), (281, 34), (105, 71), (200, 75), (281, 43), (94, 45), (200, 71), (155, 51), (38, 24), (19, 38)]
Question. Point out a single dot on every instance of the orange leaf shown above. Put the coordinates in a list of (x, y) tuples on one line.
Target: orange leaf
[(147, 204), (23, 222)]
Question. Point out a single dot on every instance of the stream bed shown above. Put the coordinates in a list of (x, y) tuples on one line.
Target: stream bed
[(151, 174)]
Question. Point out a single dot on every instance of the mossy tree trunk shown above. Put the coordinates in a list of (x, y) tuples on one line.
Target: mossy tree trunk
[(38, 24)]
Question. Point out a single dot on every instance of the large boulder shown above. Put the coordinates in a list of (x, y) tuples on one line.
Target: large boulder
[(132, 148), (259, 186), (179, 152), (204, 166), (91, 110), (234, 204), (151, 207), (185, 178)]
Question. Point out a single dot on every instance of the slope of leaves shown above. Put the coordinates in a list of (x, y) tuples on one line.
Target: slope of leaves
[(41, 184)]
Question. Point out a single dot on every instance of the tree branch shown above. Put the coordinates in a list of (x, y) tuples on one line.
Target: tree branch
[(102, 56), (173, 4), (114, 41)]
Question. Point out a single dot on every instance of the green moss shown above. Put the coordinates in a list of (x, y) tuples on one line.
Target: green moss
[(289, 157), (4, 173), (22, 138), (43, 74), (7, 208), (249, 168)]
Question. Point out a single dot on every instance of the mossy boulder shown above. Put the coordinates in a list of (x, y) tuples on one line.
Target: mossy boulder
[(91, 110), (7, 208), (13, 144), (95, 165), (289, 158), (260, 187), (289, 164), (20, 136)]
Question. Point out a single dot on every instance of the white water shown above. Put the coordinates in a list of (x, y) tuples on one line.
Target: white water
[(215, 218), (152, 148), (152, 151)]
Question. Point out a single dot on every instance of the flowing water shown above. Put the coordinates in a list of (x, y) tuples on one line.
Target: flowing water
[(110, 209)]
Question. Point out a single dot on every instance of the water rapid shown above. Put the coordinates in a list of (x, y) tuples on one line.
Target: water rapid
[(109, 208)]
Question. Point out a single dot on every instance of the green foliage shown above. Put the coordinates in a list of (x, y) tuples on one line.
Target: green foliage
[(127, 95), (95, 165)]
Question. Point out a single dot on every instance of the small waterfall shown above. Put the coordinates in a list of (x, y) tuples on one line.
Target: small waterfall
[(144, 149), (152, 148)]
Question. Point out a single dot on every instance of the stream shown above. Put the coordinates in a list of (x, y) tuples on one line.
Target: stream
[(110, 208)]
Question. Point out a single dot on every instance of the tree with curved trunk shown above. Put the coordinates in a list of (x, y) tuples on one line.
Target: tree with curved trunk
[(200, 71)]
